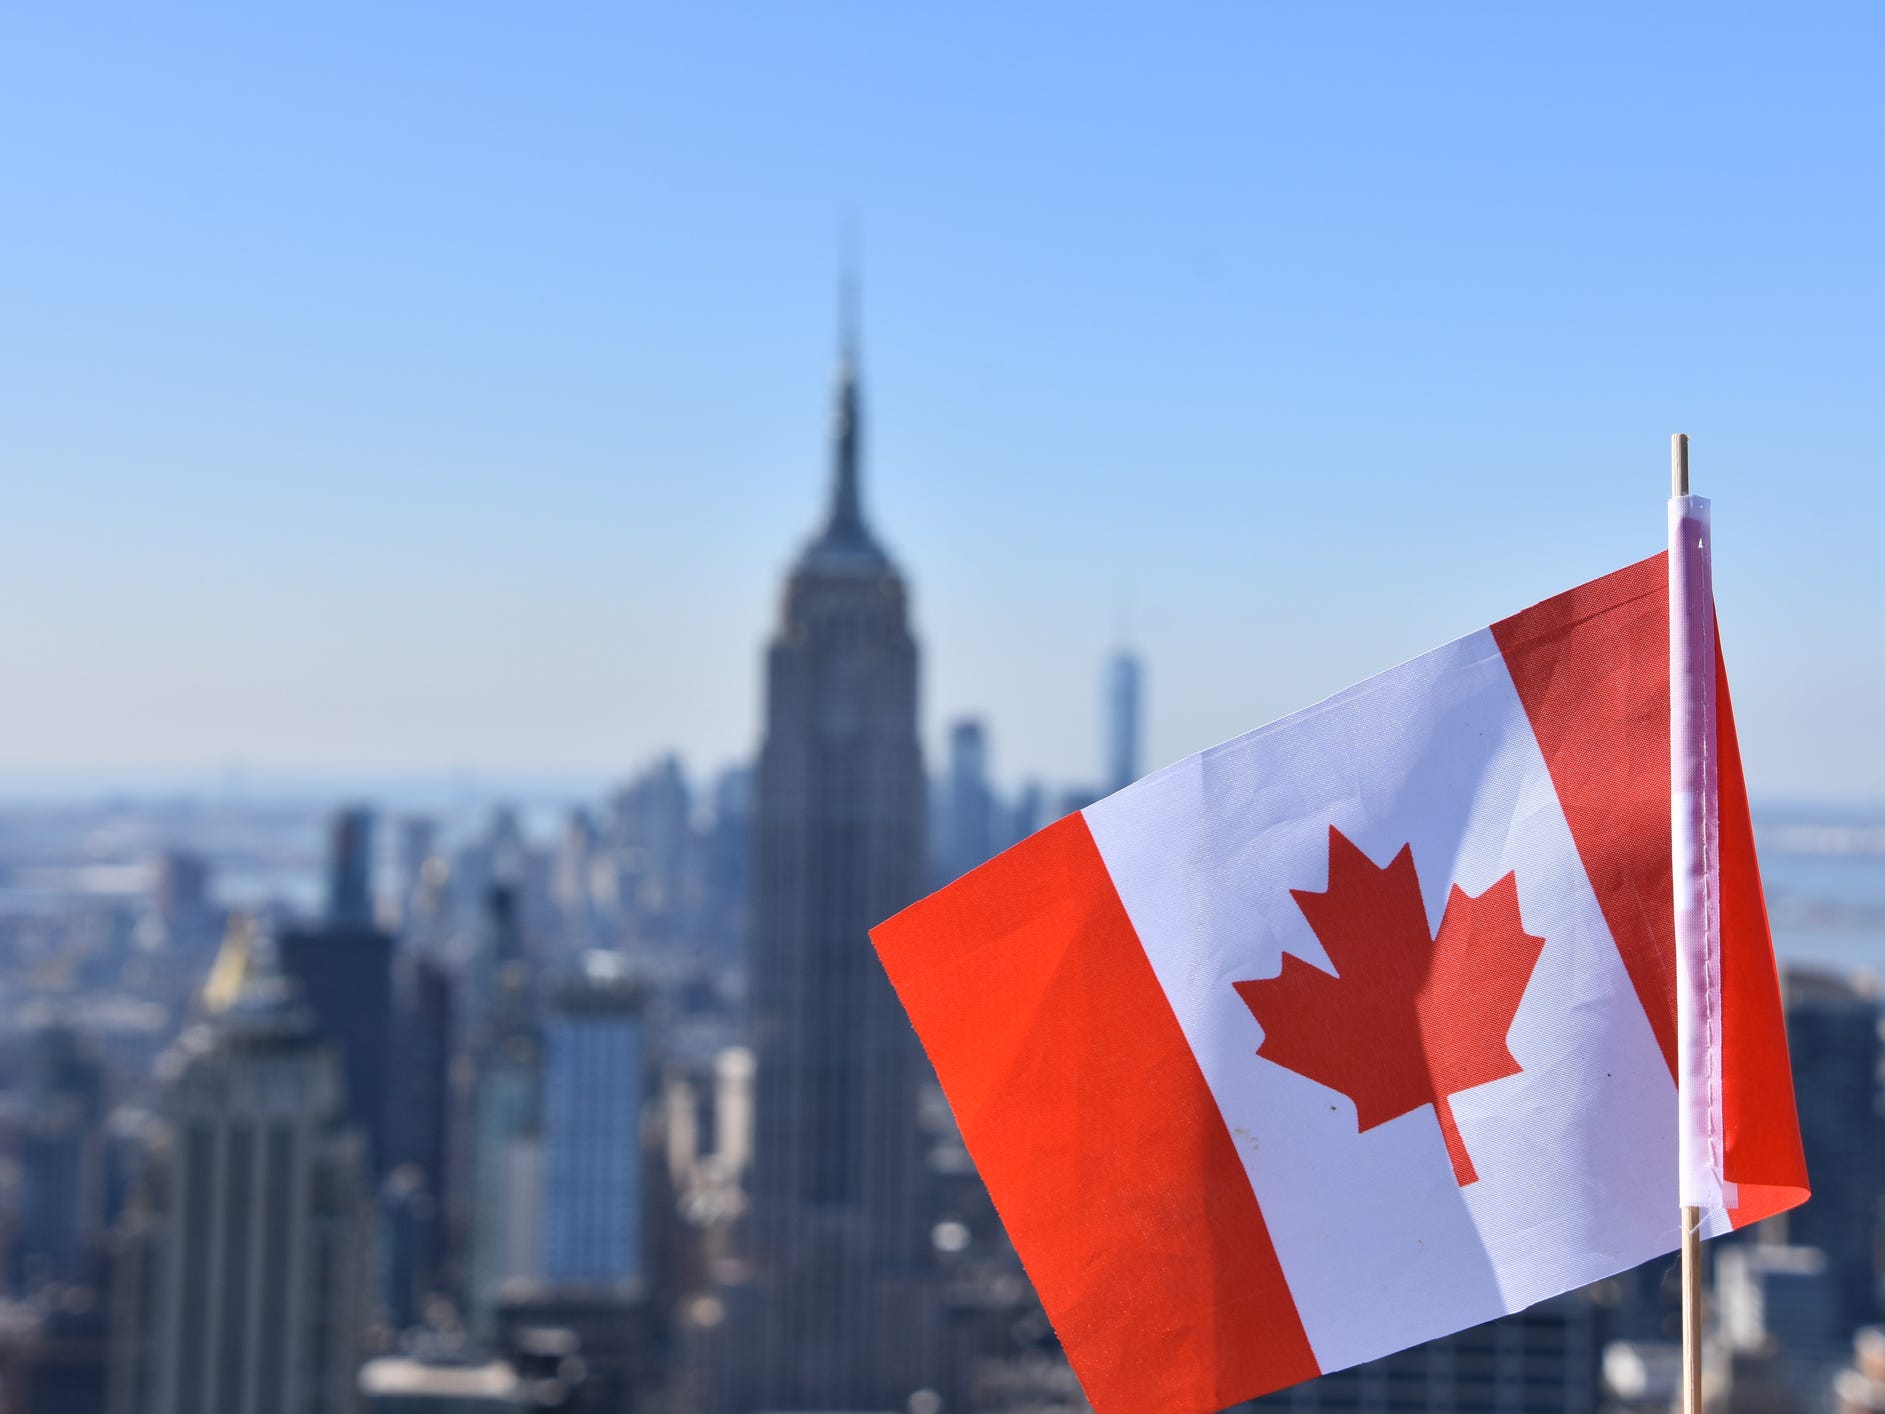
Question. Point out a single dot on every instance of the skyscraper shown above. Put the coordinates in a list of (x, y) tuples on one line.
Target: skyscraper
[(840, 1310), (343, 966), (727, 866), (497, 944), (970, 804), (506, 1145), (247, 1254), (572, 888), (418, 842), (419, 1096), (61, 1199), (653, 832), (594, 1078), (350, 867), (1122, 721)]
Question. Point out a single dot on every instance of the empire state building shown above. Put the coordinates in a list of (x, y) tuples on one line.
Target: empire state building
[(842, 1311)]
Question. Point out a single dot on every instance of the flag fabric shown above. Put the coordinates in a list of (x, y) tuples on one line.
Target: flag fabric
[(1361, 1028)]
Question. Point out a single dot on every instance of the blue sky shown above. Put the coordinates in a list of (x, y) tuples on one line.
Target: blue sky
[(438, 386)]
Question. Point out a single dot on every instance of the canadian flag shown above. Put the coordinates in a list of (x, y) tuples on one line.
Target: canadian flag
[(1362, 1028)]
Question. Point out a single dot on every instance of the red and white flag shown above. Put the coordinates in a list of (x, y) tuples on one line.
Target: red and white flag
[(1363, 1028)]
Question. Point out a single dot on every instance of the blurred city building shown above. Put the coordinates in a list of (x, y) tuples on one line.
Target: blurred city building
[(1122, 715), (1027, 814), (245, 1258), (506, 1133), (573, 886), (498, 950), (604, 1345), (841, 1310), (595, 1081), (343, 969), (967, 816), (1859, 1388), (1833, 1038), (1544, 1360), (654, 836), (1782, 1304), (727, 867), (419, 1096), (181, 894), (418, 847), (62, 1202), (53, 1353), (350, 869)]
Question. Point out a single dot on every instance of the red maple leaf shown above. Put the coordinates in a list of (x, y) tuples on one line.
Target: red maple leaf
[(1406, 1019)]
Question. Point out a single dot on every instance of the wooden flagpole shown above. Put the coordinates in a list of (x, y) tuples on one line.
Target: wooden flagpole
[(1691, 1216), (1691, 1310)]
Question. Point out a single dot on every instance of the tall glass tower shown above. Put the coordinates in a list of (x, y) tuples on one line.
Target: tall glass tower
[(1122, 721), (841, 1310), (594, 1084)]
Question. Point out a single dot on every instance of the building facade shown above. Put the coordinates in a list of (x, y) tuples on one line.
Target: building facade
[(246, 1257), (1833, 1039), (506, 1153), (61, 1198)]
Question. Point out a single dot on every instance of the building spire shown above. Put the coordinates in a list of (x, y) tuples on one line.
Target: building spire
[(848, 307), (846, 523)]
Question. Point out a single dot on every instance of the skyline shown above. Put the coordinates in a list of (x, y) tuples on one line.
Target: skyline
[(470, 424)]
